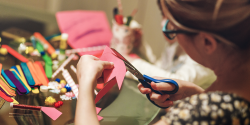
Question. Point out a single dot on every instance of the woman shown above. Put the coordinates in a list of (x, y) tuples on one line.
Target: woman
[(215, 33)]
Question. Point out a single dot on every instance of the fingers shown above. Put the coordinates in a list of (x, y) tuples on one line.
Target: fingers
[(161, 100), (107, 65), (162, 86), (158, 98), (165, 104), (143, 90)]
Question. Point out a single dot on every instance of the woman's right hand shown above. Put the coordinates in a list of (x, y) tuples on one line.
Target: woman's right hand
[(186, 89)]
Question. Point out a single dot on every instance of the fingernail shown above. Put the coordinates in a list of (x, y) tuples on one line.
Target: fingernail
[(111, 63)]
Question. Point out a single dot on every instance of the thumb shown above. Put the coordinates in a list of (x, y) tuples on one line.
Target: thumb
[(107, 65), (162, 86)]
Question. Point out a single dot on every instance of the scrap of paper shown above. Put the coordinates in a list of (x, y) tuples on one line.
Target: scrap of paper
[(105, 90), (51, 112), (85, 29), (97, 112)]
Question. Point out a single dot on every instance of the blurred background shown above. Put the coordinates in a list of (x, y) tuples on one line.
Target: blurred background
[(43, 11)]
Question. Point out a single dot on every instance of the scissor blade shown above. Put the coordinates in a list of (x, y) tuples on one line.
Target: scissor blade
[(129, 66)]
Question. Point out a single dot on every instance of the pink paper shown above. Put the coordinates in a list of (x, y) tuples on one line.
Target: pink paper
[(97, 112), (85, 29), (106, 88), (51, 112), (119, 69)]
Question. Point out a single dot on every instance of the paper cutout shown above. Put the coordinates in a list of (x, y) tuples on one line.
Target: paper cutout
[(85, 29), (119, 69), (106, 88), (51, 112), (15, 53), (97, 112)]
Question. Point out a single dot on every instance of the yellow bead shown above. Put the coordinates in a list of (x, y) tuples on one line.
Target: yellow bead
[(50, 101), (3, 51), (53, 56), (31, 49), (63, 81), (63, 90)]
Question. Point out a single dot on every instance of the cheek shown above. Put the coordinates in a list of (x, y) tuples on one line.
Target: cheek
[(187, 45)]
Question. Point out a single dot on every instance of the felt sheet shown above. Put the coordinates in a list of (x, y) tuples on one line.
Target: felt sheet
[(85, 29)]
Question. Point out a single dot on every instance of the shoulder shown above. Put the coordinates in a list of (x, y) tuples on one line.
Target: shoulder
[(210, 108)]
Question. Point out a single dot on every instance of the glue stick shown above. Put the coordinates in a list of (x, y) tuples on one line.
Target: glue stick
[(63, 43)]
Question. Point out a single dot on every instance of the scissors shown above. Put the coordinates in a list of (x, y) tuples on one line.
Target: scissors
[(146, 80)]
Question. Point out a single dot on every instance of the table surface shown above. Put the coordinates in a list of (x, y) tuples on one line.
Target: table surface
[(119, 107)]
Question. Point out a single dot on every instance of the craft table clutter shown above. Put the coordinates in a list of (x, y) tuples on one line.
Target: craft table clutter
[(38, 82)]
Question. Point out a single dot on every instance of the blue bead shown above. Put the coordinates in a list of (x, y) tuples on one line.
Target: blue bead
[(42, 53), (68, 87), (58, 80)]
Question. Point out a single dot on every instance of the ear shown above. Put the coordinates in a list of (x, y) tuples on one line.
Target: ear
[(209, 44)]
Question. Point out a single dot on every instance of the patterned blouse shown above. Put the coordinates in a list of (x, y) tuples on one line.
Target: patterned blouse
[(213, 108)]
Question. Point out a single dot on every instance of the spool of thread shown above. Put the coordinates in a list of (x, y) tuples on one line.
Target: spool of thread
[(119, 19), (28, 107)]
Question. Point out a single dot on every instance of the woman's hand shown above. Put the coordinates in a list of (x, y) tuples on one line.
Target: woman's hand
[(186, 89), (90, 68)]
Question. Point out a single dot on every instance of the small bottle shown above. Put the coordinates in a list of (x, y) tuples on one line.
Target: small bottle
[(63, 43)]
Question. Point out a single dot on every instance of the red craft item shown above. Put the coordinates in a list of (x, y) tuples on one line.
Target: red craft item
[(60, 102), (100, 86), (30, 107), (57, 105), (15, 53), (119, 19)]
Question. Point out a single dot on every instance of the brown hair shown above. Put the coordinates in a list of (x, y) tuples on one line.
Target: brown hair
[(229, 19)]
